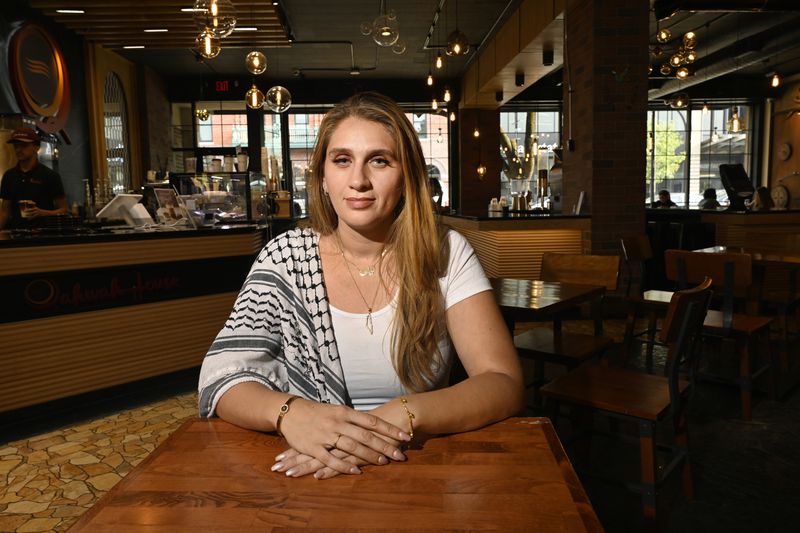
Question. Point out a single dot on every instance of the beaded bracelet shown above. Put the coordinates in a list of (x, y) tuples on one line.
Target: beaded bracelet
[(284, 409), (411, 417)]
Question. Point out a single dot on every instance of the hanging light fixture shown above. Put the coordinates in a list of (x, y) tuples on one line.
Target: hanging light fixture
[(457, 42), (207, 44), (706, 109), (476, 132), (201, 114), (481, 170), (256, 62), (385, 30), (776, 80), (678, 101), (446, 97), (682, 73), (439, 137), (690, 39), (254, 97), (663, 35), (278, 99), (430, 79), (217, 16), (452, 116), (439, 60), (734, 122), (434, 104)]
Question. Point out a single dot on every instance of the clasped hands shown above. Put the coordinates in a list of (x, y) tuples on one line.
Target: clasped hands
[(328, 440)]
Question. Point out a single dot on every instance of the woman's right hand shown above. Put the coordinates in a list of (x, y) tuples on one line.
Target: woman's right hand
[(315, 429)]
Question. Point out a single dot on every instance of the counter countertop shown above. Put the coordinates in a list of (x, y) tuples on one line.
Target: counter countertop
[(89, 234), (512, 216)]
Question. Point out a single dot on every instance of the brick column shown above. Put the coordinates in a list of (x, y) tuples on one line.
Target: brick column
[(607, 56)]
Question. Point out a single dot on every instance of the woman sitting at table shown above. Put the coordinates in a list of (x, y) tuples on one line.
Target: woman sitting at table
[(343, 335)]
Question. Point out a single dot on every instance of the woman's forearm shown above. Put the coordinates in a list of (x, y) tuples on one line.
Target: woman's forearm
[(470, 404), (251, 405)]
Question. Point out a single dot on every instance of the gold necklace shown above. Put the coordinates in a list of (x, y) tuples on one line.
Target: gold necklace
[(369, 324), (369, 270)]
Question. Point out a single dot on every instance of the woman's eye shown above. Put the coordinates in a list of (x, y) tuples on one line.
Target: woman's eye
[(380, 161), (341, 160)]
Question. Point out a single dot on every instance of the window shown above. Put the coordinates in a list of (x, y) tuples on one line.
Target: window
[(686, 147), (420, 121), (303, 129), (432, 130), (527, 139), (115, 120), (225, 127)]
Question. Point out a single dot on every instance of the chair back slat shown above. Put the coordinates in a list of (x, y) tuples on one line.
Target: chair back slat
[(600, 270)]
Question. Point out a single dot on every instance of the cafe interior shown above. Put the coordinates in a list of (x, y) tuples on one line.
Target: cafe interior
[(553, 128)]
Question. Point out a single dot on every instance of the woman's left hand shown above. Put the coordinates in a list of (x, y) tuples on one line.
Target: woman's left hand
[(296, 464)]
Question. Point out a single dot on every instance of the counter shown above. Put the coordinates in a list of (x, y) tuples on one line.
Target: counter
[(512, 246), (774, 229), (96, 308)]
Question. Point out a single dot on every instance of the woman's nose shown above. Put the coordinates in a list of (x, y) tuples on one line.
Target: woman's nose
[(360, 179)]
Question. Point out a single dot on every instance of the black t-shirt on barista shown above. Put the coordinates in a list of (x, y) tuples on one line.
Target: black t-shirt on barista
[(40, 184)]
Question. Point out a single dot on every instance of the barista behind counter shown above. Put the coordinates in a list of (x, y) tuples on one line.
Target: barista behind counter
[(29, 190)]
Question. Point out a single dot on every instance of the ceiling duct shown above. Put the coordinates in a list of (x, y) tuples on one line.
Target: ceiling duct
[(666, 8)]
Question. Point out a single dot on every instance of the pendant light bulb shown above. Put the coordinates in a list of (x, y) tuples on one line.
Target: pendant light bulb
[(481, 170), (439, 60), (706, 109), (278, 99), (452, 116), (476, 133), (776, 80), (663, 35), (446, 96), (207, 44), (434, 104), (254, 97), (430, 79), (256, 62)]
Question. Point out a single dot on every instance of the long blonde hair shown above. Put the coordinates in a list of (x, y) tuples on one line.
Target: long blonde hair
[(413, 236)]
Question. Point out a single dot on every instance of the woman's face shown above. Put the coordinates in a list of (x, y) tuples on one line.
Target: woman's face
[(362, 175)]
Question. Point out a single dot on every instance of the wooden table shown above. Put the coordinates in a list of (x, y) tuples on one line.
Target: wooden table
[(531, 300), (213, 476)]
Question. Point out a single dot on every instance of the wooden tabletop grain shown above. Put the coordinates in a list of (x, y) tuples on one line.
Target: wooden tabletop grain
[(213, 476)]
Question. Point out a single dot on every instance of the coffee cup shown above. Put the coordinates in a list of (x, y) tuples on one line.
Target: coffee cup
[(24, 206)]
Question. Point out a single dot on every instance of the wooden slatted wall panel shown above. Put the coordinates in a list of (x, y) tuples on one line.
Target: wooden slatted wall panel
[(518, 254), (27, 259), (53, 358)]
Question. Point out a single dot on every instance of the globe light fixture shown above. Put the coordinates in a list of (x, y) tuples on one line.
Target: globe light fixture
[(217, 16), (663, 35), (207, 44), (457, 44), (256, 62), (254, 98), (279, 99), (201, 114)]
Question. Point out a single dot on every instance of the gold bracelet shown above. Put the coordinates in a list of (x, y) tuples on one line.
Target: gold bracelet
[(411, 417), (284, 409)]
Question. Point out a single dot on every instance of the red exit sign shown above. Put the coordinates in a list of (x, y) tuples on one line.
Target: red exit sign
[(222, 86)]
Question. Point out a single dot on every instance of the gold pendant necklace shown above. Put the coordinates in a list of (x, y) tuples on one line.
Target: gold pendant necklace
[(371, 271)]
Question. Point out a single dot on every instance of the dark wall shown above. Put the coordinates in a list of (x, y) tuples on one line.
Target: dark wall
[(74, 163)]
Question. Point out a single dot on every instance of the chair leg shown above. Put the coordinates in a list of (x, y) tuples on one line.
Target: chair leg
[(651, 337), (766, 349), (745, 380), (682, 443), (630, 329), (647, 455)]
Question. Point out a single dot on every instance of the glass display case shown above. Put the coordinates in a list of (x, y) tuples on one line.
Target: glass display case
[(224, 197)]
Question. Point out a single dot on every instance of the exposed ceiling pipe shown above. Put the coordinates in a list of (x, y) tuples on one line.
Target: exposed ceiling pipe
[(728, 65), (666, 8)]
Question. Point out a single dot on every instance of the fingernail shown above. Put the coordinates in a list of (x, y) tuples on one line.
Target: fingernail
[(280, 457), (291, 472), (405, 436), (383, 460), (319, 475), (276, 466), (355, 470), (397, 454)]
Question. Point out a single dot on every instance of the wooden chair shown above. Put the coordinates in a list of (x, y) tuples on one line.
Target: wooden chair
[(646, 399), (552, 345), (733, 274), (637, 253)]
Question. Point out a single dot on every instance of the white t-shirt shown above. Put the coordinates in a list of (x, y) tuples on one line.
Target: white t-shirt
[(366, 359)]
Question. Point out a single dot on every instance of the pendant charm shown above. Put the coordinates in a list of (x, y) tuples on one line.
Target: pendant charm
[(369, 322), (369, 271)]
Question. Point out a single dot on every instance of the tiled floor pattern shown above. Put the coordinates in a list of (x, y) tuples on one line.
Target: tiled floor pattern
[(48, 481)]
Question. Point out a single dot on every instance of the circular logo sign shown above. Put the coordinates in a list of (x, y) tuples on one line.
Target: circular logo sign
[(39, 77)]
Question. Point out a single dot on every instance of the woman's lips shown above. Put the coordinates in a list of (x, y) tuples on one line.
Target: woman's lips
[(359, 203)]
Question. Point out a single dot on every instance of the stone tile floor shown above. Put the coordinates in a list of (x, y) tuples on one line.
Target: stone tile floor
[(47, 481)]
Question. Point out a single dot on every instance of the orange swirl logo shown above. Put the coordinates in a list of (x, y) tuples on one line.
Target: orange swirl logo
[(36, 66)]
